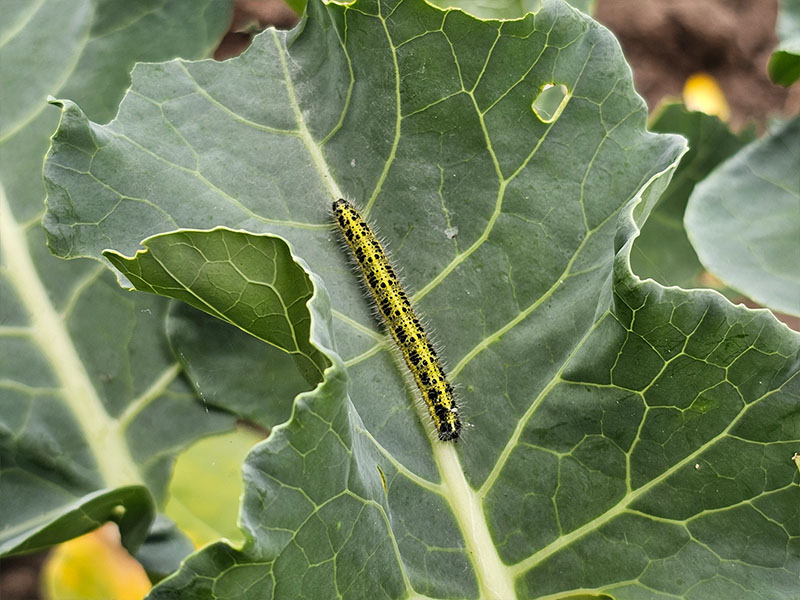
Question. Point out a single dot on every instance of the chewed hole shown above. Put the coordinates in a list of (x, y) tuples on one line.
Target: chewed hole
[(550, 102)]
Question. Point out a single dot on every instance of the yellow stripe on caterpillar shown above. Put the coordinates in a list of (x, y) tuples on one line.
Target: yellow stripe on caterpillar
[(402, 322)]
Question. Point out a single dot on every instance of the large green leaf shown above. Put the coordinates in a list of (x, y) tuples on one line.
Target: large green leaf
[(744, 220), (92, 403), (784, 64), (663, 251), (625, 440)]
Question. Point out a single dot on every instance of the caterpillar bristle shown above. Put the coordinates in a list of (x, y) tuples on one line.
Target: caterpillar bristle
[(390, 301)]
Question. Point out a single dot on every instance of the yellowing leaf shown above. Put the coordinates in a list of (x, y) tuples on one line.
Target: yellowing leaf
[(94, 567)]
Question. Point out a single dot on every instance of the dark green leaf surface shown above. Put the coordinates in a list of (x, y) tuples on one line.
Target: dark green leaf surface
[(249, 282), (92, 404), (164, 548), (784, 64), (663, 251), (744, 220), (215, 354), (625, 440)]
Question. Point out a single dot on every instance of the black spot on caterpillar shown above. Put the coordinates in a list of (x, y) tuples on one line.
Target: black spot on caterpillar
[(401, 321)]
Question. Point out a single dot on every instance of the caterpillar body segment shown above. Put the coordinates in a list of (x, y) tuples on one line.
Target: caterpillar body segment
[(401, 320)]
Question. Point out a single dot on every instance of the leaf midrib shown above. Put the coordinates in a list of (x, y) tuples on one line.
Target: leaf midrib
[(48, 331)]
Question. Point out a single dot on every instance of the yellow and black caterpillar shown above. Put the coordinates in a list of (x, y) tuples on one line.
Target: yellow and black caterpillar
[(401, 320)]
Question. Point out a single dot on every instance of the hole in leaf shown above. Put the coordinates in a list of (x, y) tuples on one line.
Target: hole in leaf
[(550, 102)]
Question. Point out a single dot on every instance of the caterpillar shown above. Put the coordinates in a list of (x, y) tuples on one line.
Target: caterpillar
[(400, 319)]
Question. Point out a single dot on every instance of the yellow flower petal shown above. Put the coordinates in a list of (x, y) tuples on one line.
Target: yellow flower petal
[(94, 567), (701, 92)]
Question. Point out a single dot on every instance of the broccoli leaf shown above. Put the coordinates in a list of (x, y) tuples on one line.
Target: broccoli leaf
[(626, 440)]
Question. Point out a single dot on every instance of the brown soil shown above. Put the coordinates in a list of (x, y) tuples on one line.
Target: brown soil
[(666, 41), (19, 577), (250, 17)]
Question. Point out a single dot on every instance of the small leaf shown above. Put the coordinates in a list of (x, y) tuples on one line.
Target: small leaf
[(744, 220), (784, 64), (250, 282)]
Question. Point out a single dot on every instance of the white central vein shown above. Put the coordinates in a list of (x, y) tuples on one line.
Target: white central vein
[(49, 332), (494, 579), (314, 150)]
